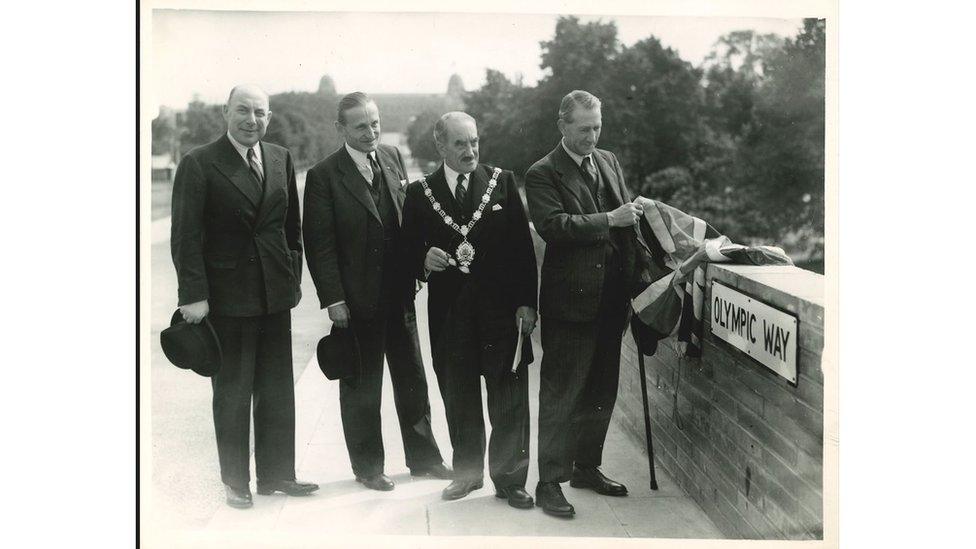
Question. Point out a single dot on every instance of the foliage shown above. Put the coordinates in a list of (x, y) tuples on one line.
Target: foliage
[(420, 136)]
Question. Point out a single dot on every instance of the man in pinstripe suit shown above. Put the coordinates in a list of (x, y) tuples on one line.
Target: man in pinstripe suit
[(581, 208), (475, 305)]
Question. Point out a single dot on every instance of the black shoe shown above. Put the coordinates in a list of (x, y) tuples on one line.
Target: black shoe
[(592, 478), (549, 496), (379, 482), (438, 470), (239, 498), (460, 488), (290, 487), (516, 495)]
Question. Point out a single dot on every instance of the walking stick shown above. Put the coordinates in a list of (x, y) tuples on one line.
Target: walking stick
[(647, 414)]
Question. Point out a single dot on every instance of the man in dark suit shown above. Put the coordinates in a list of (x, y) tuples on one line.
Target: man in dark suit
[(581, 208), (353, 209), (467, 234), (236, 245)]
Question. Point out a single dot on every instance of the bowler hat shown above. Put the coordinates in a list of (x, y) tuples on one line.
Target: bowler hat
[(192, 346), (338, 354)]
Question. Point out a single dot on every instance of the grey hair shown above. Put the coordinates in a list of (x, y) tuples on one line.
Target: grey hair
[(440, 127), (583, 99)]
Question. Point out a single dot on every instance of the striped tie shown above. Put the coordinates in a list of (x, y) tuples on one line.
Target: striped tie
[(255, 169)]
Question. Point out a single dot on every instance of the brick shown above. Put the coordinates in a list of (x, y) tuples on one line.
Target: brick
[(722, 402), (809, 467), (767, 383), (812, 313), (721, 522), (810, 392), (809, 365), (782, 521), (786, 425), (766, 436), (754, 517), (747, 398), (811, 338)]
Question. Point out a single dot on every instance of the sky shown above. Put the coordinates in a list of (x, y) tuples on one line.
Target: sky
[(205, 53)]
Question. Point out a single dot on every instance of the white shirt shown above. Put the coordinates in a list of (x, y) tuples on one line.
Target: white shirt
[(452, 181), (242, 150), (577, 158), (361, 160)]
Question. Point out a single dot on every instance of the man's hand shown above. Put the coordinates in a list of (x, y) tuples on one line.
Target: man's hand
[(339, 314), (528, 318), (625, 215), (436, 260), (194, 313)]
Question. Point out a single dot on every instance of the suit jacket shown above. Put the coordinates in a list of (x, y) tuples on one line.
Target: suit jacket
[(344, 232), (232, 245), (577, 233), (503, 273)]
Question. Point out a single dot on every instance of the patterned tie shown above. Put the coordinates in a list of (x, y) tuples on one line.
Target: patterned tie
[(377, 175), (588, 173), (255, 169), (459, 191)]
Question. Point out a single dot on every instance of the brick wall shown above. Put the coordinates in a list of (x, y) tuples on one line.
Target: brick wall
[(741, 440)]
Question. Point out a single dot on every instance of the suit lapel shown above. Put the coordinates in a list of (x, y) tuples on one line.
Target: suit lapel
[(609, 177), (237, 172), (354, 182), (274, 179), (571, 179), (390, 176)]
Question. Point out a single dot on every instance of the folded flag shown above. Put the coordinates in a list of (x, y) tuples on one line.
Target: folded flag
[(672, 290)]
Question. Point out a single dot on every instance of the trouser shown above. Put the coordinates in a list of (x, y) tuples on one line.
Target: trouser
[(257, 364), (462, 354), (393, 334), (578, 388)]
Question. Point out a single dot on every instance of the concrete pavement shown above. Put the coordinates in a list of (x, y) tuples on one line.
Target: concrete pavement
[(415, 508)]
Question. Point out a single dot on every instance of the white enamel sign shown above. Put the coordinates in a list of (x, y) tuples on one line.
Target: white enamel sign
[(762, 332)]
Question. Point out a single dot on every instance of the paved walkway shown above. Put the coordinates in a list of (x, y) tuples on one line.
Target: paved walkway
[(343, 507)]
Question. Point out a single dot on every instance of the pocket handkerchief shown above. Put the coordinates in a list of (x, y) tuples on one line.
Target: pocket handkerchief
[(496, 207)]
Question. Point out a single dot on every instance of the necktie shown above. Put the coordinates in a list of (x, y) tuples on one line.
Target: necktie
[(252, 162), (589, 177), (377, 176), (459, 191)]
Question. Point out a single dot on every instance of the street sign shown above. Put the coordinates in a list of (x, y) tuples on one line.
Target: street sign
[(766, 334)]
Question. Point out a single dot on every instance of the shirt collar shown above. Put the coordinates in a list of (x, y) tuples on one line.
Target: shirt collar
[(242, 150), (452, 175), (576, 158), (359, 157)]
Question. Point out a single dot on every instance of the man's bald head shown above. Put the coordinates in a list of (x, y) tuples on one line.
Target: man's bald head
[(456, 137), (247, 114)]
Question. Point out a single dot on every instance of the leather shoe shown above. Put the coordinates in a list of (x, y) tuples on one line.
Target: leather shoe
[(592, 478), (379, 482), (516, 495), (291, 487), (549, 496), (459, 488), (438, 470), (239, 498)]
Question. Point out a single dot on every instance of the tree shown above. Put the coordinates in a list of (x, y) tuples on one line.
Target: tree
[(420, 136), (652, 110), (199, 125)]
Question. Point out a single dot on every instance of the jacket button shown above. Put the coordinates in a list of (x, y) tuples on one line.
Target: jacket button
[(237, 212), (250, 259), (599, 265)]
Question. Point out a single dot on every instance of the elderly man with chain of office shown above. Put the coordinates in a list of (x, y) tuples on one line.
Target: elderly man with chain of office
[(581, 208), (467, 233)]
